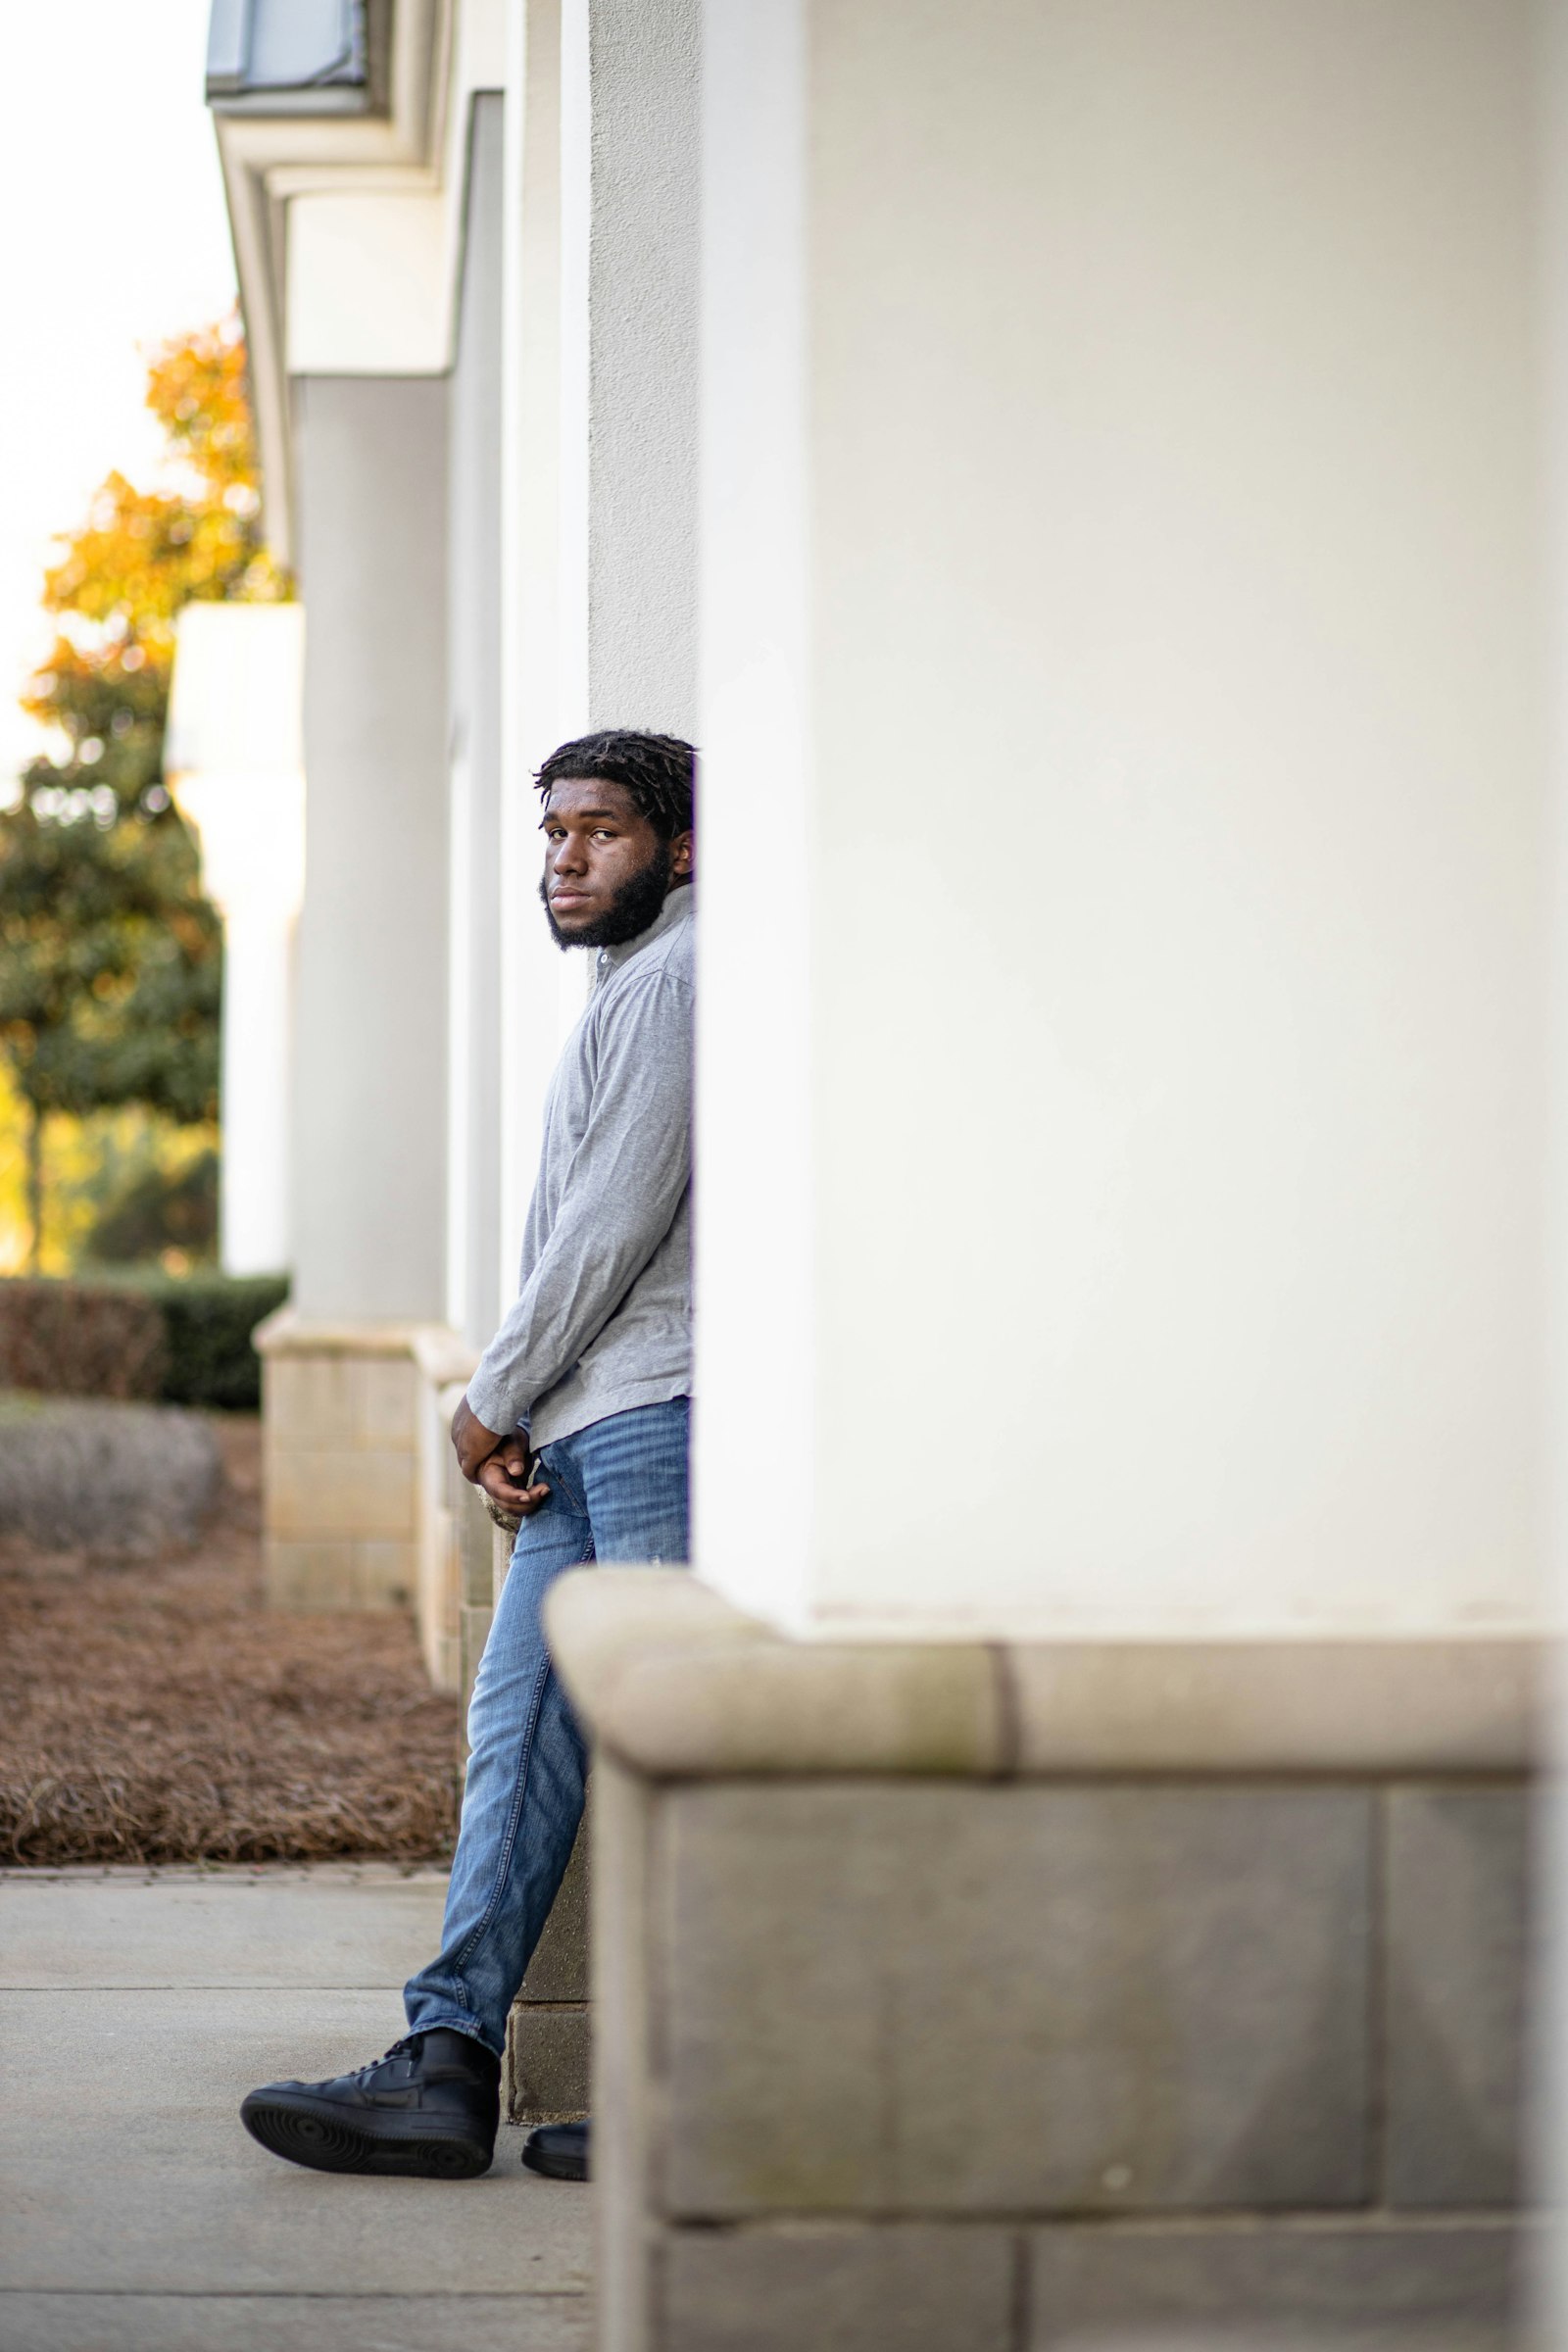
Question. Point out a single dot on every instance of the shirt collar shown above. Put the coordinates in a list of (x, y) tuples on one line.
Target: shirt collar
[(677, 909)]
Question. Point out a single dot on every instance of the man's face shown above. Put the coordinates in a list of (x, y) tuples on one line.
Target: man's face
[(607, 870)]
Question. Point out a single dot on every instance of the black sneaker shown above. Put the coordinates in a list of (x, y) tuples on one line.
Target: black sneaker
[(429, 2107), (558, 2150)]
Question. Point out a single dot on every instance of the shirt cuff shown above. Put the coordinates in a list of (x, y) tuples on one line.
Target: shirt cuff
[(491, 1401)]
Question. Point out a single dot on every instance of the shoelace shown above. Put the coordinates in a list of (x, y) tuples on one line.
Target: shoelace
[(409, 2043)]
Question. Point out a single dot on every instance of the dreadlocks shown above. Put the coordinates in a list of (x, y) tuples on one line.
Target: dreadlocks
[(655, 771)]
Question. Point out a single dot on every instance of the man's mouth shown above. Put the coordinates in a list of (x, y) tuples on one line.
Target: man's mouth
[(568, 897)]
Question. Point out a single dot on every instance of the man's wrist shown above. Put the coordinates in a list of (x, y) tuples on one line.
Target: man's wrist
[(491, 1406)]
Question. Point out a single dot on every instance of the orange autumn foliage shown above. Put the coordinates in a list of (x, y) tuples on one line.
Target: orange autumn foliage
[(140, 555)]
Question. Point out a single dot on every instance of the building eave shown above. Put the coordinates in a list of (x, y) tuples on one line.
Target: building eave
[(266, 158)]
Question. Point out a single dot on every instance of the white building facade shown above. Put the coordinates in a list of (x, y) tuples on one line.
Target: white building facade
[(1085, 476)]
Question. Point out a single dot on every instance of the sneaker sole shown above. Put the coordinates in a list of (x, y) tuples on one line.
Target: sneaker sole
[(331, 2143), (555, 2168)]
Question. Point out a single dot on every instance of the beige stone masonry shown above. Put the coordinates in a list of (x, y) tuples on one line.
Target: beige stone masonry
[(454, 1534), (358, 1509), (340, 1491), (986, 1993)]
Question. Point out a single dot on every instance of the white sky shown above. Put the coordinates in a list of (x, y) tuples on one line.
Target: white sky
[(113, 237)]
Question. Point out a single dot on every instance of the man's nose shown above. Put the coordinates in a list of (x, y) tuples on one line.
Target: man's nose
[(568, 857)]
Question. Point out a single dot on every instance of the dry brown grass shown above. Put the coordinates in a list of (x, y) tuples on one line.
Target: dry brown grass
[(154, 1711)]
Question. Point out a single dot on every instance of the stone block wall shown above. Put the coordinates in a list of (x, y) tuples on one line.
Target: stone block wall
[(340, 1479), (547, 2048), (1025, 2049), (481, 1551), (1130, 2055), (352, 1471)]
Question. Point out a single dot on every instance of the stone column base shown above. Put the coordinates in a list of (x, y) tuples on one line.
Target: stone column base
[(546, 2074), (1072, 1995)]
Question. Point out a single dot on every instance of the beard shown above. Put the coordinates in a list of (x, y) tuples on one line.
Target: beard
[(635, 904)]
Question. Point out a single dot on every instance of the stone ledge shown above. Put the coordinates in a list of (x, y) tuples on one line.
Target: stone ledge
[(441, 1355), (681, 1685)]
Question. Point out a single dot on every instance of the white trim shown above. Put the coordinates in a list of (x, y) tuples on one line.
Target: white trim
[(254, 225), (370, 284), (269, 160)]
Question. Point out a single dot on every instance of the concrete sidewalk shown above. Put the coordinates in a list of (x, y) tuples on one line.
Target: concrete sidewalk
[(136, 2009)]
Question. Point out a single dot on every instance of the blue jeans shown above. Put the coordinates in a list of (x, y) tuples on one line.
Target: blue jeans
[(618, 1491)]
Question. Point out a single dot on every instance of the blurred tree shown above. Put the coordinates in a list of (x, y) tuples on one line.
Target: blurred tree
[(159, 1211), (137, 559), (110, 962), (110, 954)]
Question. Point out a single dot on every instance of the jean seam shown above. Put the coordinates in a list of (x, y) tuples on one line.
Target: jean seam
[(519, 1790), (574, 1502), (519, 1796)]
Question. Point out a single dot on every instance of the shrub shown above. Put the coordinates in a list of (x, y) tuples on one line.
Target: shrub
[(73, 1342), (81, 1471), (185, 1341), (208, 1321)]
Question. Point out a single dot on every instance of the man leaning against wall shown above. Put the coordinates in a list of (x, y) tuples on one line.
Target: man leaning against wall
[(577, 1422)]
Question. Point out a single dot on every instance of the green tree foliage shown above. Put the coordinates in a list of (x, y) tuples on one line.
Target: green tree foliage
[(110, 953), (110, 964), (157, 1212)]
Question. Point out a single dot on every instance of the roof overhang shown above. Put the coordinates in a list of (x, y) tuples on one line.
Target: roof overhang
[(269, 157)]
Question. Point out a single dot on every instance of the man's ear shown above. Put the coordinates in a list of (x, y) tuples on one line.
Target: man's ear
[(682, 853)]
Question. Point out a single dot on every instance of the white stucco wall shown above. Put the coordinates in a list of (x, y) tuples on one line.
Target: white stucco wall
[(599, 459), (642, 351), (1122, 956)]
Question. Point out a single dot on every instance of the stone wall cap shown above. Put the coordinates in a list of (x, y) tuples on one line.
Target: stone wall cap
[(440, 1354), (680, 1684)]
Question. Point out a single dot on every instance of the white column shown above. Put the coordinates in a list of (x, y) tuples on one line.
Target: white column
[(233, 757), (598, 459), (369, 1169), (1124, 815), (642, 363), (757, 1329), (531, 968), (1547, 2155), (475, 688), (257, 1012)]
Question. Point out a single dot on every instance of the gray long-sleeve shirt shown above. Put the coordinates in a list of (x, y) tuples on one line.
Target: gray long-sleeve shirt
[(602, 1317)]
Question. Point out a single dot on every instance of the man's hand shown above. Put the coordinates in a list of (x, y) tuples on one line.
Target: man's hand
[(473, 1444), (506, 1481), (500, 1465)]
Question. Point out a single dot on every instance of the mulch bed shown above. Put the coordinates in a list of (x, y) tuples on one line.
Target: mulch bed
[(154, 1710)]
